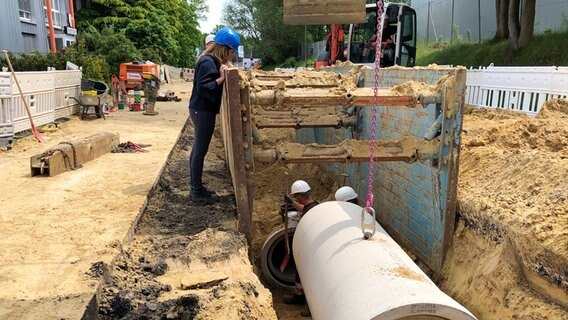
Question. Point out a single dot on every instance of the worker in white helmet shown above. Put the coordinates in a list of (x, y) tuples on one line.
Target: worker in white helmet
[(210, 39), (302, 202), (346, 194), (302, 197)]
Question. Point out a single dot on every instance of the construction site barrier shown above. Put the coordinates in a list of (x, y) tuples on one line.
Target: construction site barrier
[(523, 89), (48, 94)]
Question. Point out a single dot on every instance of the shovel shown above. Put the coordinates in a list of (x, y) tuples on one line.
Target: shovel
[(35, 132), (286, 242)]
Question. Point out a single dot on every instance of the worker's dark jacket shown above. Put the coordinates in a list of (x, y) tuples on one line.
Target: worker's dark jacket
[(308, 207), (206, 95)]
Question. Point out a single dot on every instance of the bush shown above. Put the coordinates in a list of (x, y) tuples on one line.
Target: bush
[(94, 67), (289, 63)]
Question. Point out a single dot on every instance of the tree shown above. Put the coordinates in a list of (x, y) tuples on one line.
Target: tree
[(515, 22), (163, 29), (521, 24), (260, 23), (502, 10)]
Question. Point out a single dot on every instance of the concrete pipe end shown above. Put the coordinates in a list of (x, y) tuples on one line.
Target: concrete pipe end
[(428, 311), (272, 256)]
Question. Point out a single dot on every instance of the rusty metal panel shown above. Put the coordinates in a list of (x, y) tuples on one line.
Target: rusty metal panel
[(415, 202)]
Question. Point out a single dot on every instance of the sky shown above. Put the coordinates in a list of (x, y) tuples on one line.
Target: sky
[(213, 17)]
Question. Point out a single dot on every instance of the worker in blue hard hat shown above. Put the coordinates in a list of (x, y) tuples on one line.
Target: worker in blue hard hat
[(205, 103)]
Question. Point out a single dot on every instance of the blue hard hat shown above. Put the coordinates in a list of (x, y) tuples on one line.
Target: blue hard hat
[(228, 37)]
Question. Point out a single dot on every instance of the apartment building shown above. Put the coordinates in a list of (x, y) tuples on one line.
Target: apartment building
[(24, 26)]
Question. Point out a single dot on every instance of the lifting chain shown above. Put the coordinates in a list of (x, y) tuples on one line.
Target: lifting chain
[(75, 164), (369, 205), (66, 161)]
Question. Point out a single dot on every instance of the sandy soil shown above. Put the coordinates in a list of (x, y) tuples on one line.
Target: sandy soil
[(510, 254)]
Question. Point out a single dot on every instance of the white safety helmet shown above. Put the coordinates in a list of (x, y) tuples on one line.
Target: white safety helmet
[(300, 186), (345, 194), (209, 38)]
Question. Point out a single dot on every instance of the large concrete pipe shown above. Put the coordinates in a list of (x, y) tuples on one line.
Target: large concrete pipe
[(273, 253), (346, 277)]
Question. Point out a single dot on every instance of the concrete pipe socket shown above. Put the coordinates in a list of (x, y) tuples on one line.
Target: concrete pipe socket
[(346, 277), (274, 252)]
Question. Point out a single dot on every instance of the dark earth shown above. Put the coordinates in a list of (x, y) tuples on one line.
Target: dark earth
[(165, 231)]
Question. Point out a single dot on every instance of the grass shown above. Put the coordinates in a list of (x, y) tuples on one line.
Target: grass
[(548, 49)]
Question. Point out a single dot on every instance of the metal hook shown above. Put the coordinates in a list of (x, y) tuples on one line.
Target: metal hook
[(366, 234)]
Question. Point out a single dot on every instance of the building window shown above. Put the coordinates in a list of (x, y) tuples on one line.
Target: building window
[(29, 42), (25, 9), (55, 12)]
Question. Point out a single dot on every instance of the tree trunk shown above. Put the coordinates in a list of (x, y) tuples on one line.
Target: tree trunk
[(514, 24), (502, 10), (527, 23)]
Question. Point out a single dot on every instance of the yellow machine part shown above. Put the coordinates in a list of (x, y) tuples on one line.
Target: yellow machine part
[(302, 12)]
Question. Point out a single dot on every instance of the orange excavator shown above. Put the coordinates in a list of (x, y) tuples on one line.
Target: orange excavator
[(352, 27), (335, 42)]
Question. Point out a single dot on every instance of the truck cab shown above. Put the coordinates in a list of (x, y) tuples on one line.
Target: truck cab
[(400, 21)]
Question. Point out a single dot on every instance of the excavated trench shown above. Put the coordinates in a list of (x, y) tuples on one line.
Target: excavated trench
[(174, 234), (187, 261)]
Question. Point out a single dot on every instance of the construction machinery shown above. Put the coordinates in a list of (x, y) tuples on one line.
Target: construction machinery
[(131, 73), (352, 27)]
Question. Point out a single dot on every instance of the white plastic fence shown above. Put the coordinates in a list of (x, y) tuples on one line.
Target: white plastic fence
[(523, 89), (47, 94)]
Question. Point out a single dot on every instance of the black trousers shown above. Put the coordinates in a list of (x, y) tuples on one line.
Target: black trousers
[(204, 125)]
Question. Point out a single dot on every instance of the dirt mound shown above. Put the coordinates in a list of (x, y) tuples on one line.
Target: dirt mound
[(509, 130), (554, 109), (512, 198)]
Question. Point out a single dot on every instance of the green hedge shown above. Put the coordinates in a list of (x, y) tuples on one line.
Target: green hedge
[(94, 67)]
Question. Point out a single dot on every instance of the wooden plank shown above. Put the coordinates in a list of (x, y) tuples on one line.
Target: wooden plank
[(64, 158), (233, 137), (247, 138)]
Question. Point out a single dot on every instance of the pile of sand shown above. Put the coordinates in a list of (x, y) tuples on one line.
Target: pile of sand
[(510, 253)]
